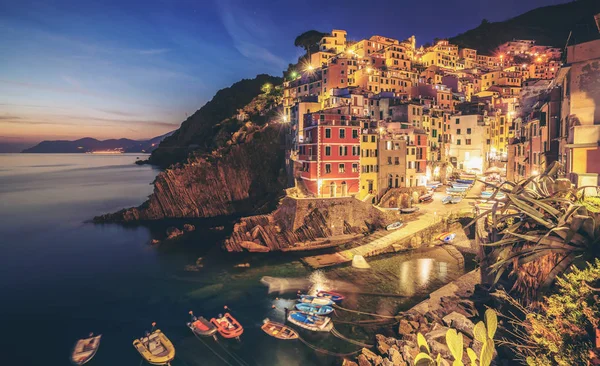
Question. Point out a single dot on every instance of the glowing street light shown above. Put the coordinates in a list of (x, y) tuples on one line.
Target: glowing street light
[(293, 74)]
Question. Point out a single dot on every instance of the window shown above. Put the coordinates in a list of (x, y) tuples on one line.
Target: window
[(343, 150), (327, 168), (396, 161), (458, 121), (373, 138), (365, 139), (327, 150), (354, 168), (468, 131), (355, 150), (342, 133), (342, 168), (354, 134), (389, 160), (328, 133), (458, 142), (468, 142), (458, 131)]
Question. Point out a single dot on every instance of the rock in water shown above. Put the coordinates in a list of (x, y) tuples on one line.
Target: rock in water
[(359, 262), (173, 232)]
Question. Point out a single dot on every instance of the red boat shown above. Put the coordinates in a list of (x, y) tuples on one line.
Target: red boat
[(333, 296), (227, 326)]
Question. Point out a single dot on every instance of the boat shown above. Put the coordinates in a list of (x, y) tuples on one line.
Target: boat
[(227, 326), (85, 349), (314, 309), (394, 226), (278, 330), (465, 181), (456, 190), (446, 199), (332, 295), (447, 237), (254, 247), (201, 326), (456, 199), (155, 348), (409, 210), (314, 323), (460, 185), (426, 197), (308, 299)]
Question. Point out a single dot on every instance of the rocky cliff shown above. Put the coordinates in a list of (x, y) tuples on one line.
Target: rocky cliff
[(235, 179)]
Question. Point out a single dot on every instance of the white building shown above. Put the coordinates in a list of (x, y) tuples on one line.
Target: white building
[(469, 141)]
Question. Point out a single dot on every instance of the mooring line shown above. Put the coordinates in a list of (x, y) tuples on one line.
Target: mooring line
[(235, 357), (326, 352), (339, 335), (365, 313), (213, 351)]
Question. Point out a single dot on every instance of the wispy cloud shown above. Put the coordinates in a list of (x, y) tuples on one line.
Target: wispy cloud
[(153, 51), (249, 34)]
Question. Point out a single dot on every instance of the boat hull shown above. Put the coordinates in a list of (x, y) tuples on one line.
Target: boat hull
[(409, 210), (314, 309), (332, 295), (228, 326), (447, 237), (162, 358), (313, 323), (202, 327), (278, 330), (307, 299), (81, 355), (394, 226)]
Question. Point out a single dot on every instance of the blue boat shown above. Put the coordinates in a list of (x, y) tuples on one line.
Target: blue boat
[(460, 185), (335, 296), (314, 309), (456, 190), (311, 322), (447, 237), (446, 199), (456, 199), (314, 300), (465, 181)]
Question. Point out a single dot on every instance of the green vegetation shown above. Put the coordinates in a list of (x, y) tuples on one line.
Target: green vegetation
[(213, 124), (549, 25), (309, 40), (484, 333), (539, 232), (562, 331)]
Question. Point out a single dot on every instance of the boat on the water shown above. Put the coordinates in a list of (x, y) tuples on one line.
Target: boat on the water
[(456, 190), (466, 181), (314, 309), (460, 185), (456, 199), (278, 330), (332, 295), (394, 226), (155, 348), (308, 299), (228, 326), (409, 210), (446, 199), (447, 237), (314, 323), (85, 349), (254, 247), (426, 197), (201, 326)]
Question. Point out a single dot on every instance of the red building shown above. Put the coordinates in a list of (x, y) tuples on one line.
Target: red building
[(330, 153)]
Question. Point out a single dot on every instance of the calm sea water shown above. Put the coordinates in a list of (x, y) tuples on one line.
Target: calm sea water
[(62, 277)]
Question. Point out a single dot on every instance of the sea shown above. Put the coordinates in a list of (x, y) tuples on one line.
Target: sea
[(63, 277)]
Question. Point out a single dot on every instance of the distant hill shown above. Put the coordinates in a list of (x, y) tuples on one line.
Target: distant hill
[(211, 125), (548, 25), (89, 144)]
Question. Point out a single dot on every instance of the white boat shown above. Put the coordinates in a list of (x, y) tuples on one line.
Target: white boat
[(311, 322), (394, 226)]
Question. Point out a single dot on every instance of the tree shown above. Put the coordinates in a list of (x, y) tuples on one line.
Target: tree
[(309, 40)]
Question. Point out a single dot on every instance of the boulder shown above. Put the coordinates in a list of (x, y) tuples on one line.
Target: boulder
[(188, 227), (372, 357), (396, 358), (382, 345), (173, 232), (459, 322), (441, 348), (405, 327), (362, 361), (349, 363)]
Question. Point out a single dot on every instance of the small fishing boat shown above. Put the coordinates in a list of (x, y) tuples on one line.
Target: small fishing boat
[(314, 323), (155, 347), (460, 185), (394, 226), (446, 199), (308, 299), (447, 237), (332, 295), (201, 326), (465, 181), (456, 199), (456, 190), (85, 349), (253, 247), (409, 210), (314, 309), (426, 197), (227, 326), (278, 330)]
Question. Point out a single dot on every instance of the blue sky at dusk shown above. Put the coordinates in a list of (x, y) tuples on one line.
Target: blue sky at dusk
[(107, 69)]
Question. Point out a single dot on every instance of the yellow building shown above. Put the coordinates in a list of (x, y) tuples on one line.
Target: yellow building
[(368, 162), (334, 42)]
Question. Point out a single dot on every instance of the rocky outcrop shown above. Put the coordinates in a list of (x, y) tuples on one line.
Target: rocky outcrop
[(308, 223), (235, 179)]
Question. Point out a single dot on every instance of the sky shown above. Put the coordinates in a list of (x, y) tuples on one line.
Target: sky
[(136, 69)]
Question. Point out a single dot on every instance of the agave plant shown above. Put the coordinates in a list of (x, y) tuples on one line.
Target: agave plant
[(536, 231)]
